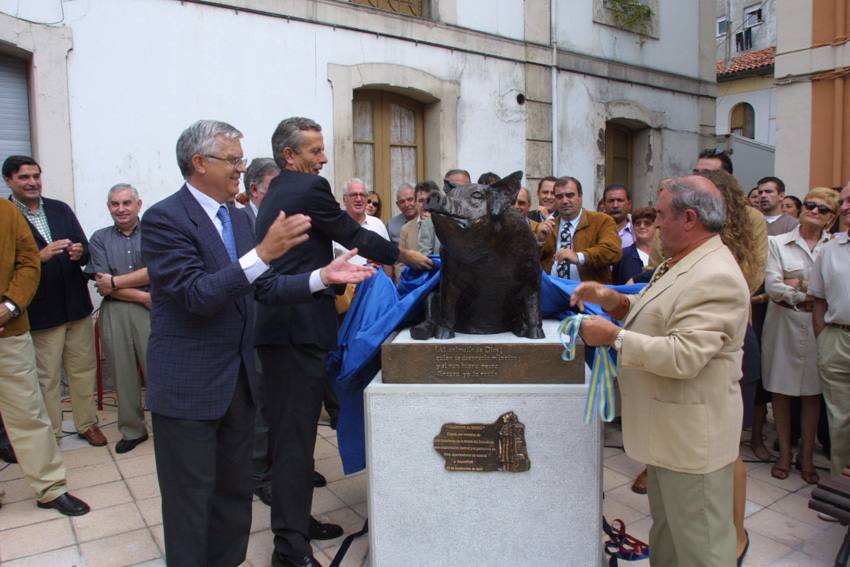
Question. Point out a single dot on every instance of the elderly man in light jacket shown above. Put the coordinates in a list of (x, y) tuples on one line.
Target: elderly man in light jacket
[(680, 354)]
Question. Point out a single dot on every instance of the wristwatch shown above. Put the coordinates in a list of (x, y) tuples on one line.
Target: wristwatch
[(618, 340), (13, 309)]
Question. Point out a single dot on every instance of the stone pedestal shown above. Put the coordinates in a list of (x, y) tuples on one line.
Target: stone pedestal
[(420, 514)]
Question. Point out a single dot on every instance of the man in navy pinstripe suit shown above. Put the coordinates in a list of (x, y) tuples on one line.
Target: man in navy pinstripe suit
[(203, 268)]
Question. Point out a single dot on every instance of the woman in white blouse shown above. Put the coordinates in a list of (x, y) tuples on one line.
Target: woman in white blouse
[(789, 350)]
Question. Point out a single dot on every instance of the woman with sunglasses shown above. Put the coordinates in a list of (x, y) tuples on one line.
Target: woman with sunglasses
[(789, 350), (636, 257), (373, 204)]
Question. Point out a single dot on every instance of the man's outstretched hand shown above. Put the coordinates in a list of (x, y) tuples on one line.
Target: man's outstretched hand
[(284, 233), (415, 259), (341, 271)]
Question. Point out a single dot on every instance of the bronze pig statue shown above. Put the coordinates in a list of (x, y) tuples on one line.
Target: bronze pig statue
[(490, 280)]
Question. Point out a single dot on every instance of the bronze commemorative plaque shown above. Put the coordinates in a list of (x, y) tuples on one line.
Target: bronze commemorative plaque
[(484, 447), (472, 360)]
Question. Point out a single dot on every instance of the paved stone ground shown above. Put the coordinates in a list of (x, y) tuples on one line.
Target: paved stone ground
[(125, 525)]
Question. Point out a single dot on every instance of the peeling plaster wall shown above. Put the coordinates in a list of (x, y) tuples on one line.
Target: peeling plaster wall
[(130, 102), (584, 106)]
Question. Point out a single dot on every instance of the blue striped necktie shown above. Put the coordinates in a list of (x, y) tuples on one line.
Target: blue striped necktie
[(227, 232)]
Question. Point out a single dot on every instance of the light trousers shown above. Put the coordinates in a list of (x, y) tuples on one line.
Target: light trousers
[(834, 369), (124, 331), (691, 518), (69, 346), (26, 420)]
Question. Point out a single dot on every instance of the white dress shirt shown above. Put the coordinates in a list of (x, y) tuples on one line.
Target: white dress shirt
[(251, 264)]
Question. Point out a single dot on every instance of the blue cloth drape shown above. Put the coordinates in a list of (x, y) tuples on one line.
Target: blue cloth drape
[(378, 309)]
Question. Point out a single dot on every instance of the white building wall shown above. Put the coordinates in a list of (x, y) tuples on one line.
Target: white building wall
[(676, 50), (500, 17), (764, 106), (133, 90), (140, 71)]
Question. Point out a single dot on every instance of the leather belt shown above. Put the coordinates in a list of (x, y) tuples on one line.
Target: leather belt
[(840, 326), (805, 306)]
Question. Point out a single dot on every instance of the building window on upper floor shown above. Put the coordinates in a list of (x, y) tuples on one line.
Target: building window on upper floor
[(744, 40), (389, 143), (742, 120), (752, 16), (404, 7), (722, 26)]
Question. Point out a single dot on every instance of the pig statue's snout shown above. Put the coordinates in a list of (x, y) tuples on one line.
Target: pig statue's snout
[(434, 202)]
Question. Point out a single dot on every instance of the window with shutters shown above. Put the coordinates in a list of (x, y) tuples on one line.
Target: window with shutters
[(15, 136), (618, 154), (404, 7), (742, 120), (388, 143)]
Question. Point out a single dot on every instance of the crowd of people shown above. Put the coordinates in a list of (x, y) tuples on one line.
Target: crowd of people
[(225, 303)]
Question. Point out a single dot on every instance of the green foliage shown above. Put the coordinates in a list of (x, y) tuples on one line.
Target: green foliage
[(632, 15)]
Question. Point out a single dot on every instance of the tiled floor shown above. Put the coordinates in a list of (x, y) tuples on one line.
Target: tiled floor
[(125, 525), (783, 531)]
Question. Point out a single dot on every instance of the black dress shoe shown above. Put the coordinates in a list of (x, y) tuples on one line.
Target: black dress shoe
[(127, 445), (318, 480), (67, 504), (8, 454), (318, 530), (264, 493), (279, 560)]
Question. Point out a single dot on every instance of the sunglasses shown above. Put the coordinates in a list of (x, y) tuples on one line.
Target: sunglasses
[(822, 209), (374, 203), (643, 222)]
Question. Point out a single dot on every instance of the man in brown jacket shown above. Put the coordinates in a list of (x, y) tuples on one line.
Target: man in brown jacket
[(21, 404), (578, 244)]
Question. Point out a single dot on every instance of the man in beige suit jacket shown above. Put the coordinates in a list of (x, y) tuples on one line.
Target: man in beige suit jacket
[(680, 354), (409, 236)]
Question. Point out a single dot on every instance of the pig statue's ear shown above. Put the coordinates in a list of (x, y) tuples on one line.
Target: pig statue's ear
[(448, 185), (502, 193)]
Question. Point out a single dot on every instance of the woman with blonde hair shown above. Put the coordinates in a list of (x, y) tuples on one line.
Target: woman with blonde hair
[(790, 349), (745, 235)]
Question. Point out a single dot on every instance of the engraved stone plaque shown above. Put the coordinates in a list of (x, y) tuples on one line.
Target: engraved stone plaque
[(483, 447), (480, 359)]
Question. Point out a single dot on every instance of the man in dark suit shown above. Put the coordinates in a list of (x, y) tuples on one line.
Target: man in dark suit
[(295, 339), (203, 266), (62, 329), (257, 179)]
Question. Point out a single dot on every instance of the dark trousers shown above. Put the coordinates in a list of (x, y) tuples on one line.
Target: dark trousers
[(294, 380), (204, 471), (262, 470)]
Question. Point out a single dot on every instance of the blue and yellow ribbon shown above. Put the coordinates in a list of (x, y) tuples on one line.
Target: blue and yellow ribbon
[(602, 374)]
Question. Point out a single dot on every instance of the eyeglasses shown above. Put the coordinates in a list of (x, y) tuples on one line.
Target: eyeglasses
[(234, 161), (356, 195), (822, 209)]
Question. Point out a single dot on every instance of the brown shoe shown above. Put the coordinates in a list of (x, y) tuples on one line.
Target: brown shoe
[(94, 436), (639, 485)]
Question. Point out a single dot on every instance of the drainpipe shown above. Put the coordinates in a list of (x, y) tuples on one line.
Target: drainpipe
[(553, 29)]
